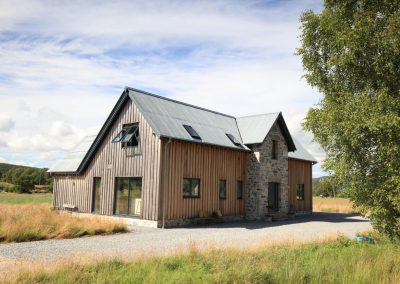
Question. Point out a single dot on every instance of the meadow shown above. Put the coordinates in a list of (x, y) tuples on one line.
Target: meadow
[(333, 205), (24, 198), (331, 261)]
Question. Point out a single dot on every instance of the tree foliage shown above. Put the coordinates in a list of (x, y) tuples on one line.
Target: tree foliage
[(351, 54), (25, 178)]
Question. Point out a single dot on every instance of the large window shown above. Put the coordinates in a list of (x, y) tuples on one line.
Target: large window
[(191, 187), (128, 196), (274, 150), (222, 189), (273, 196), (300, 191), (239, 189), (96, 195)]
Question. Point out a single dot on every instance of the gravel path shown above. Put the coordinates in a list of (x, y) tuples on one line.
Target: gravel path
[(148, 241)]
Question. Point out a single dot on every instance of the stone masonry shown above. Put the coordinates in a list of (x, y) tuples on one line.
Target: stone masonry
[(262, 169)]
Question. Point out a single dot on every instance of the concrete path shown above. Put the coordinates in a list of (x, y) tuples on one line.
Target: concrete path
[(147, 241)]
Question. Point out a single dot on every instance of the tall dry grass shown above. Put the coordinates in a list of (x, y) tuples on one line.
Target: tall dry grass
[(330, 261), (30, 222), (330, 204)]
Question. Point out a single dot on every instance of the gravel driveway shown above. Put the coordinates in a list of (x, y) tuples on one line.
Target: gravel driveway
[(148, 241)]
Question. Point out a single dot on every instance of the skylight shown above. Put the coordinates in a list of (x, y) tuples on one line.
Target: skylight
[(191, 131), (233, 139)]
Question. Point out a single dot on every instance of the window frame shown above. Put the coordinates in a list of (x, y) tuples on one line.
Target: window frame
[(93, 209), (192, 132), (274, 150), (301, 197), (233, 139), (191, 179), (131, 180), (124, 132), (237, 190), (222, 181)]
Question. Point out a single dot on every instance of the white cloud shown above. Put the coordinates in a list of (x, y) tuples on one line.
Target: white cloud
[(64, 64), (6, 123)]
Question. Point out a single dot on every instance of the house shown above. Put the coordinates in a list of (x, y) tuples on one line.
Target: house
[(172, 163)]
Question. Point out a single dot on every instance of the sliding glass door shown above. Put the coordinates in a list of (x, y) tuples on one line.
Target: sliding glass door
[(128, 196)]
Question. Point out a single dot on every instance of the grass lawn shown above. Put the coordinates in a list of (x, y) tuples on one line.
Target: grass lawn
[(335, 261), (24, 198), (30, 222), (330, 204)]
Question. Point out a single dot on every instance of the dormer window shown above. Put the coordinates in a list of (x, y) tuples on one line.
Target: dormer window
[(128, 136), (192, 132)]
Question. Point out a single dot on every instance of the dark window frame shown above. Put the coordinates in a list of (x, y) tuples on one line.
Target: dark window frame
[(93, 209), (191, 179), (233, 139), (222, 181), (192, 132), (128, 129), (241, 190), (300, 189), (274, 150)]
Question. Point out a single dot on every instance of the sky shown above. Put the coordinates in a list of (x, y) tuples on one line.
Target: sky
[(63, 65)]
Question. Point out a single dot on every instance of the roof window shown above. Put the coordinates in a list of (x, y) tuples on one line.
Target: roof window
[(233, 139), (192, 132)]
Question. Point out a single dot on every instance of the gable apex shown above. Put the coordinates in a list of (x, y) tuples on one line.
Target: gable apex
[(255, 128)]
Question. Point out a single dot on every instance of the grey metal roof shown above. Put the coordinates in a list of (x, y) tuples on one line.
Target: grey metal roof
[(255, 128), (166, 117), (301, 153), (72, 161)]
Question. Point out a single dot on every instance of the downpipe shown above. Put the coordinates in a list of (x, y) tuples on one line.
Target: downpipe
[(165, 181)]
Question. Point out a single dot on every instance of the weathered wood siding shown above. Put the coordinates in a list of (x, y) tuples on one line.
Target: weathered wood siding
[(110, 162), (300, 172), (209, 164)]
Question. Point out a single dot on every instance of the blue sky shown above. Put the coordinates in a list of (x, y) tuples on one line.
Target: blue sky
[(64, 64)]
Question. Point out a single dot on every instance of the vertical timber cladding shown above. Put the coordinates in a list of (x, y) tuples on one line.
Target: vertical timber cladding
[(209, 164), (300, 172), (111, 161)]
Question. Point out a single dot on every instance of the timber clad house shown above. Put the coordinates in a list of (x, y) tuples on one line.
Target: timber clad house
[(172, 164)]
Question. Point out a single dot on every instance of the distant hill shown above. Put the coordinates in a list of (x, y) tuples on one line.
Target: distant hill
[(5, 167), (318, 178)]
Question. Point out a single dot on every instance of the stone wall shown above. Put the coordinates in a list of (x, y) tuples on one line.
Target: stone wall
[(262, 169)]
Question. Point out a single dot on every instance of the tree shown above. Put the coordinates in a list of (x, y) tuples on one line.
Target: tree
[(351, 54)]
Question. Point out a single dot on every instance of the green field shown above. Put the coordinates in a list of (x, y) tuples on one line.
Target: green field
[(335, 261), (23, 198)]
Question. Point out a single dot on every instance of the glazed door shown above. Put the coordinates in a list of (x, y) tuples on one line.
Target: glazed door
[(128, 196), (273, 196)]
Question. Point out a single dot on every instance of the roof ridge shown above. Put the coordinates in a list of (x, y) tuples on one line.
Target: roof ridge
[(261, 114), (176, 101)]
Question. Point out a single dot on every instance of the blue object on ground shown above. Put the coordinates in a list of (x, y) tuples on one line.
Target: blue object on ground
[(366, 239)]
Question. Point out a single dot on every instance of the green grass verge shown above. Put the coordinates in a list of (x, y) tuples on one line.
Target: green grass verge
[(340, 261), (23, 198)]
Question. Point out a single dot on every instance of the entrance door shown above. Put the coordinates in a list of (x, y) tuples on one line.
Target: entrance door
[(128, 196), (273, 196)]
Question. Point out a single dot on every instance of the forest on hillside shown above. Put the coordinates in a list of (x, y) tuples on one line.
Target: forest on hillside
[(22, 179)]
